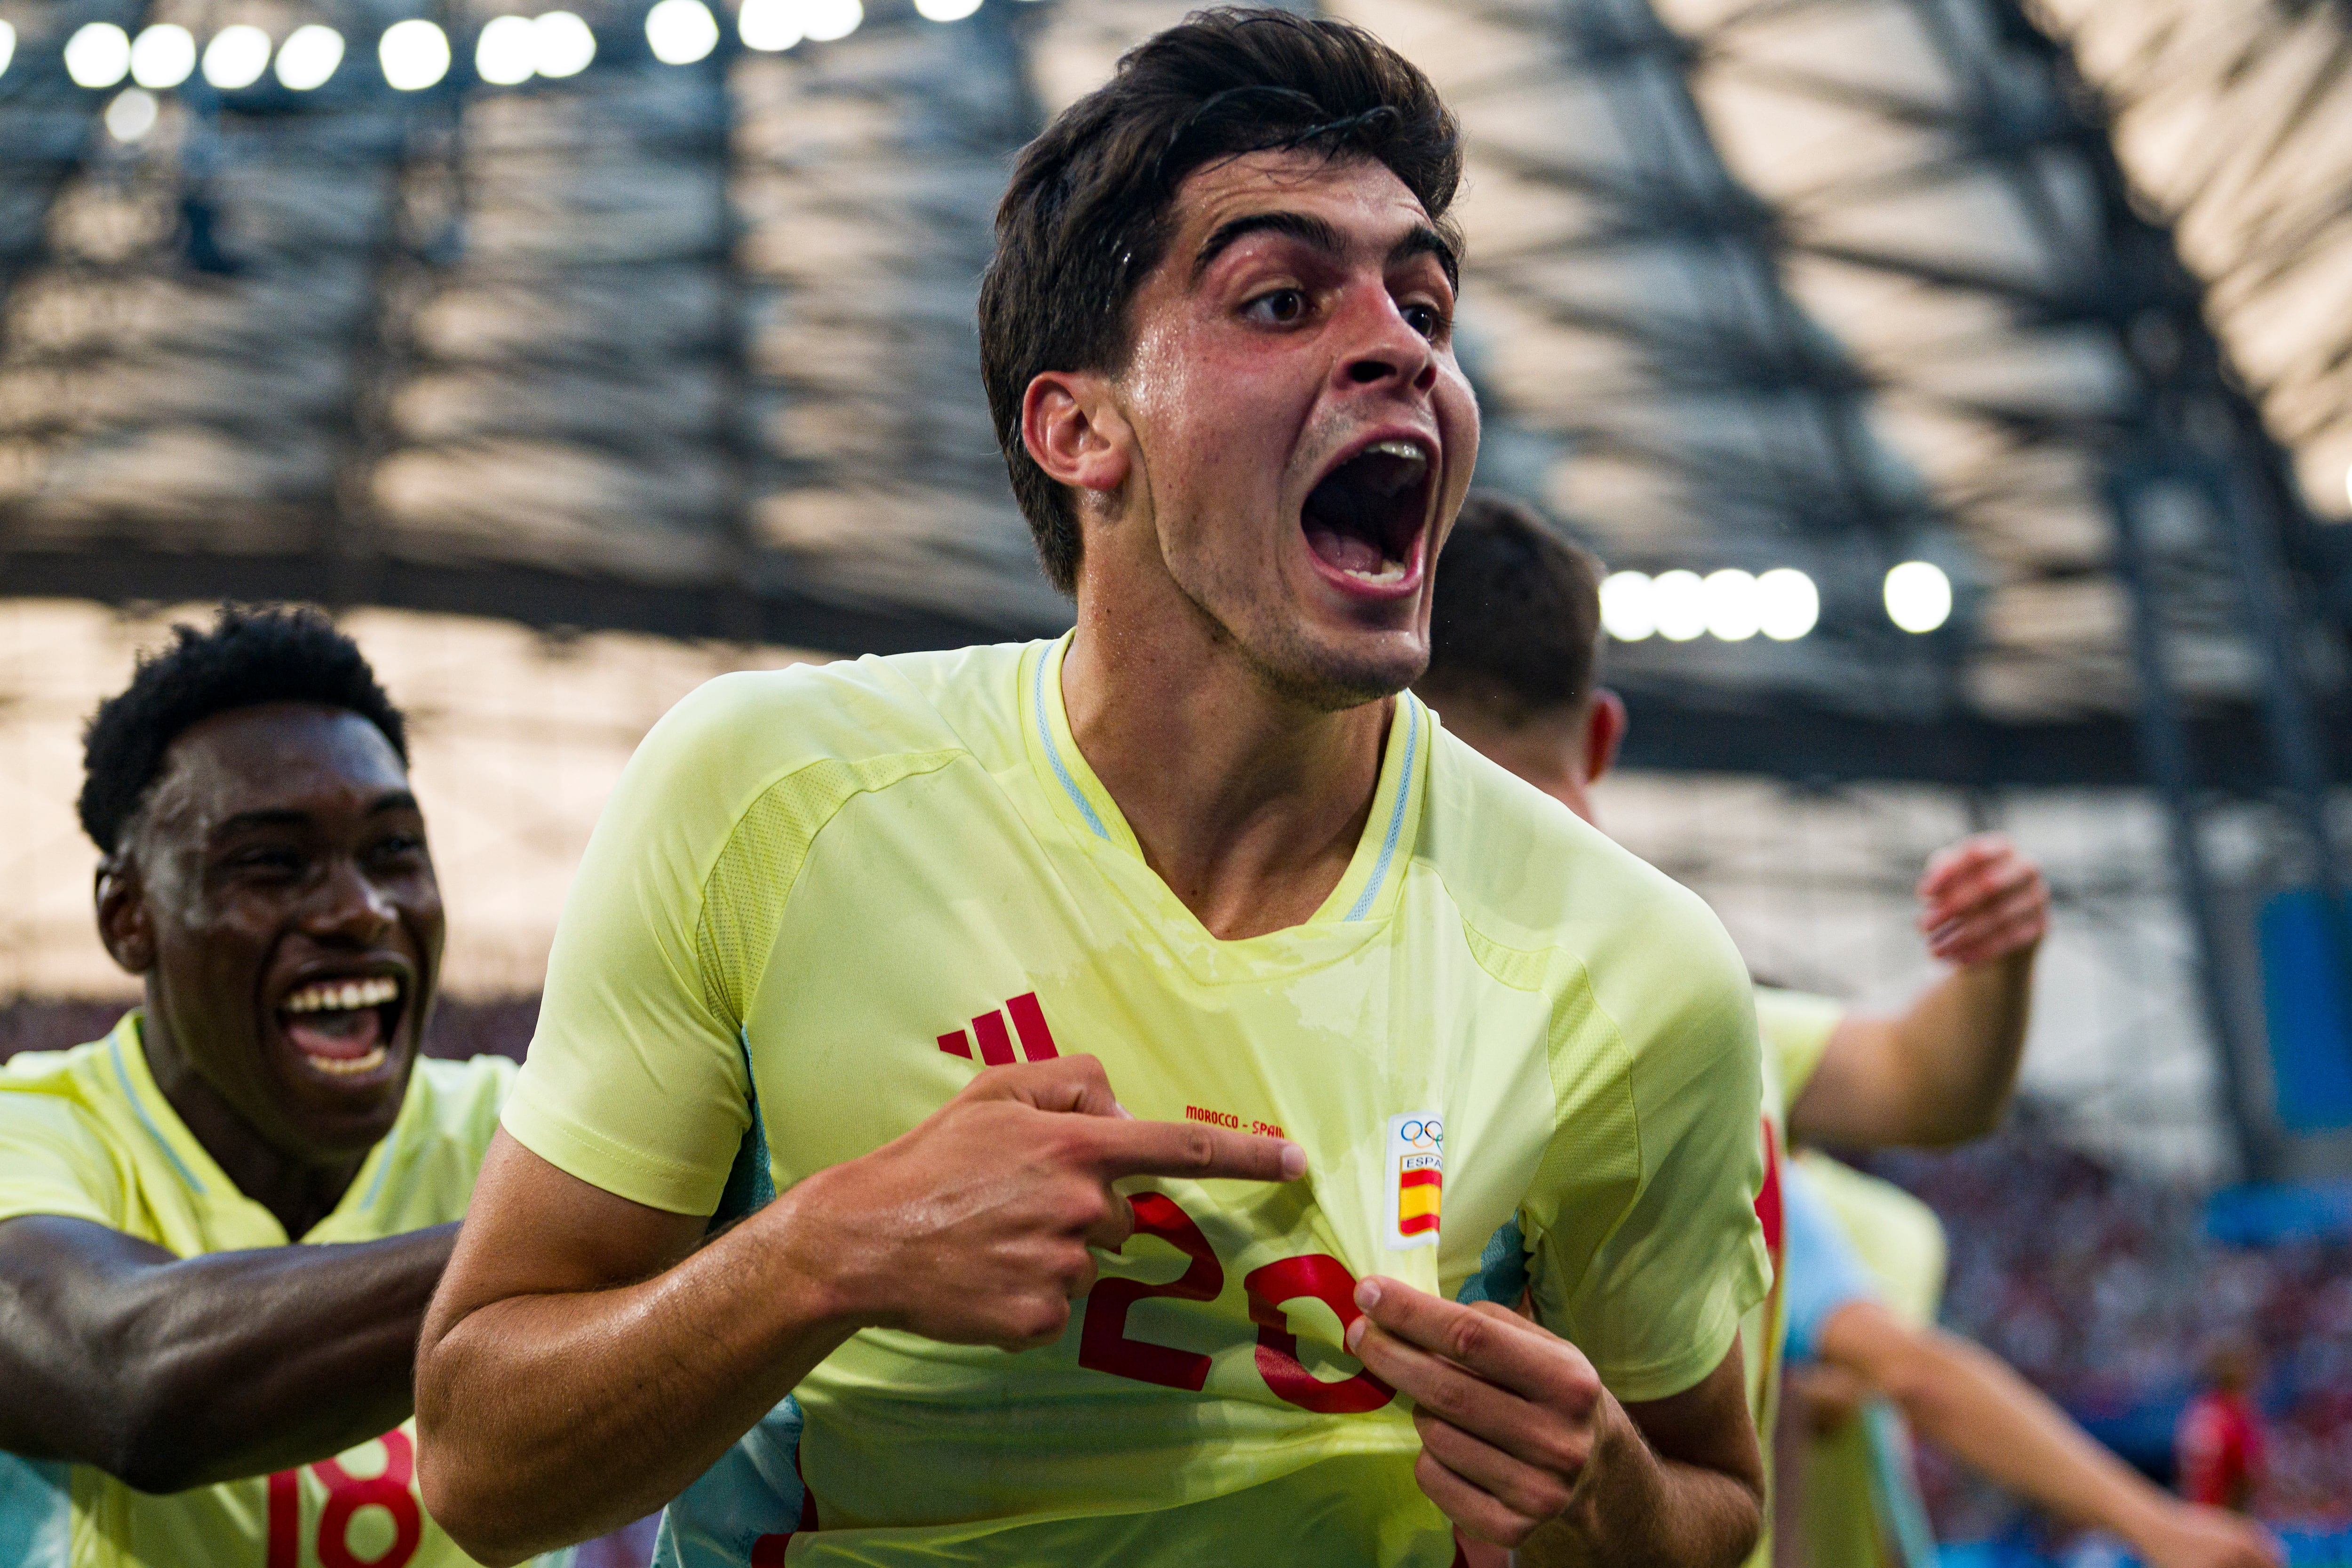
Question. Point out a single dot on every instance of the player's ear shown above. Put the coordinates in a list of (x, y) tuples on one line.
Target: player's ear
[(1604, 731), (122, 921), (1074, 430)]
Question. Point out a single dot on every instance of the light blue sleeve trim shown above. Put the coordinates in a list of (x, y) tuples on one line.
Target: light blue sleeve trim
[(35, 1512), (1396, 813), (1823, 1273), (753, 1490), (1054, 752)]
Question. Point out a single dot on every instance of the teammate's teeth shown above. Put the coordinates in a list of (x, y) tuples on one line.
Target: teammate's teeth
[(1405, 449), (327, 996), (348, 1067), (1389, 572)]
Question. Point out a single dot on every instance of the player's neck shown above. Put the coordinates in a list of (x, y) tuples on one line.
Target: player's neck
[(1249, 806)]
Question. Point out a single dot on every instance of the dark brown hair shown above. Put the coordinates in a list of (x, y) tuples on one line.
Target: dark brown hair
[(1516, 619), (1087, 217)]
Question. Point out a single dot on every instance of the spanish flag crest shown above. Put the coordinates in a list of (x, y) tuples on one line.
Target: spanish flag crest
[(1416, 1165)]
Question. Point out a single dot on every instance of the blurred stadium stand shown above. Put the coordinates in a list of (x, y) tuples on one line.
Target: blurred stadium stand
[(574, 390)]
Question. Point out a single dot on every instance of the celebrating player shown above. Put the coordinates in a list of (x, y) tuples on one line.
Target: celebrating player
[(183, 1388), (921, 932)]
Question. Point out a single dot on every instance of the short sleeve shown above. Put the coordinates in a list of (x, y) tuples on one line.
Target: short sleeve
[(1824, 1273), (1796, 1027), (1658, 1305), (636, 1081), (55, 1161)]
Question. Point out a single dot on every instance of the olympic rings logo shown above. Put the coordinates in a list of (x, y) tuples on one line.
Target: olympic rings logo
[(1424, 1134)]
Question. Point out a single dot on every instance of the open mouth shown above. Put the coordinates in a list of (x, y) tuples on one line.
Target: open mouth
[(1366, 518), (343, 1026)]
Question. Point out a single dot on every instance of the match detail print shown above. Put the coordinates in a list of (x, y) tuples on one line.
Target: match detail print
[(1416, 1170)]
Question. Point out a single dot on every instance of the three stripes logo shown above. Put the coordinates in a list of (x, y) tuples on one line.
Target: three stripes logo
[(996, 1041), (1417, 1163)]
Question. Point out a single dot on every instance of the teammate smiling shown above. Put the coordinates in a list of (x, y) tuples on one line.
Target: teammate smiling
[(1205, 853)]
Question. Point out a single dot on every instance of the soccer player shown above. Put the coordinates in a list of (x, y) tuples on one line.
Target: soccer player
[(184, 1388), (1181, 967), (1885, 1357), (1513, 668)]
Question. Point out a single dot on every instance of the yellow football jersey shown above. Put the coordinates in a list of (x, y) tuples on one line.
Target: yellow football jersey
[(86, 1134), (823, 899)]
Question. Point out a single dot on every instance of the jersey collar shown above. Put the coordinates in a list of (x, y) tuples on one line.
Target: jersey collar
[(126, 1064), (1368, 890)]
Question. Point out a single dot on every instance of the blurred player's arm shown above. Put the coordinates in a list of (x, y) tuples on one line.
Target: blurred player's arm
[(168, 1372), (1969, 1401), (584, 1361), (1940, 1072), (1522, 1446)]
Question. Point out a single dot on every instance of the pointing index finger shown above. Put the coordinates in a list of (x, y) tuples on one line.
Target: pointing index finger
[(1187, 1149)]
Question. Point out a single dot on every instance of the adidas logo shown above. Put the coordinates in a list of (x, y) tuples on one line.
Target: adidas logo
[(996, 1041)]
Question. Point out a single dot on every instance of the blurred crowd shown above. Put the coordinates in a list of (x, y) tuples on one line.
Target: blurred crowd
[(2108, 1292)]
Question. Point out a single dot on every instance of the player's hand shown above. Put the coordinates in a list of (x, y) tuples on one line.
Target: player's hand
[(2191, 1537), (1982, 899), (1512, 1417), (974, 1227)]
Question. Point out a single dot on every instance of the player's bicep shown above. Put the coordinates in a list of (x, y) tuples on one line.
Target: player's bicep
[(60, 1282), (535, 1229), (1706, 1425)]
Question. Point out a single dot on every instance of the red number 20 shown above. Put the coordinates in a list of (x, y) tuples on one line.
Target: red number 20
[(1104, 1345)]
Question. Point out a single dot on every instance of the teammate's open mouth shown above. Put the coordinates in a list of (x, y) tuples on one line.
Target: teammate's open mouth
[(343, 1026), (1365, 521)]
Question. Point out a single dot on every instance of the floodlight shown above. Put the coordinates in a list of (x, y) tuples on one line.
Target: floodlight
[(946, 10), (98, 54), (826, 20), (1733, 614), (1918, 596), (131, 114), (162, 56), (414, 54), (770, 25), (7, 45), (236, 57), (1628, 608), (507, 52), (1788, 604), (681, 32), (309, 57), (1680, 601), (561, 44)]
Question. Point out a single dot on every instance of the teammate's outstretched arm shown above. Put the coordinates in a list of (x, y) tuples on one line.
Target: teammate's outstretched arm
[(1523, 1446), (1940, 1072), (1972, 1403), (168, 1372), (583, 1361)]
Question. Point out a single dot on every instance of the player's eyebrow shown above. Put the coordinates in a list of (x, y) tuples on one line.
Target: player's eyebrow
[(1422, 239), (245, 821), (1305, 228), (397, 800)]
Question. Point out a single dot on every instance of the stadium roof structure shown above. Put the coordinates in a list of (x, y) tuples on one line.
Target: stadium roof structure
[(2052, 300)]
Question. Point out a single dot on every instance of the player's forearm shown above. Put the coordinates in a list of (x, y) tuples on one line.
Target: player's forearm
[(1973, 1404), (168, 1373), (1962, 1041), (1640, 1510), (549, 1419)]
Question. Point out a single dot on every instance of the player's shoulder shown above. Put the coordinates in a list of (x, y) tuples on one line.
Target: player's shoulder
[(47, 1082), (459, 1097)]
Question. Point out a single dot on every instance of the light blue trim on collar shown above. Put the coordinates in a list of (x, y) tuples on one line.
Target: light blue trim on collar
[(1396, 813), (139, 1109), (1054, 752), (384, 1169)]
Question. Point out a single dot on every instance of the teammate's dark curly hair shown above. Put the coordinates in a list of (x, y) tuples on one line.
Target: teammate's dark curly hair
[(248, 656), (1087, 217)]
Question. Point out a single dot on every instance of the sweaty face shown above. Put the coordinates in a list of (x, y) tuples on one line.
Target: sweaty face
[(296, 924), (1305, 435)]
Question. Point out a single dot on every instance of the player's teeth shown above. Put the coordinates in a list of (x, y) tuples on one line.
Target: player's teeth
[(328, 995), (343, 1066), (1404, 450), (1389, 572)]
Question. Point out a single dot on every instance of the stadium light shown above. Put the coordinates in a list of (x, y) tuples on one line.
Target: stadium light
[(946, 10), (1733, 614), (131, 114), (414, 54), (681, 32), (1679, 599), (98, 54), (7, 45), (826, 20), (770, 25), (162, 56), (507, 52), (1628, 611), (236, 57), (1788, 604), (562, 45), (1918, 596), (309, 57)]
